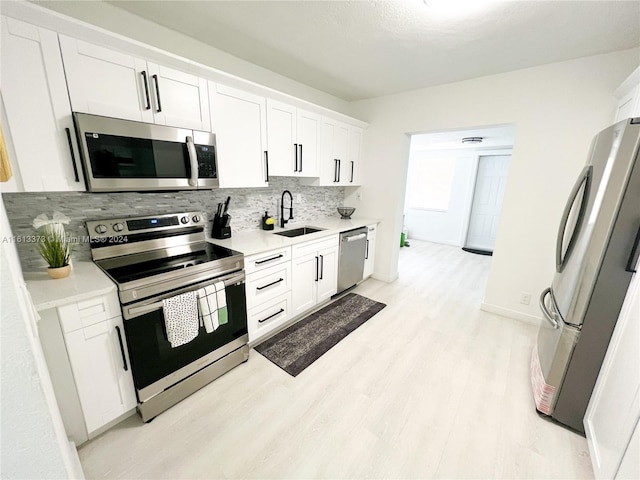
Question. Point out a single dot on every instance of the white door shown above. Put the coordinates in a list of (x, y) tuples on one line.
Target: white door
[(105, 82), (308, 135), (35, 96), (179, 99), (488, 195), (281, 137), (239, 120), (304, 286)]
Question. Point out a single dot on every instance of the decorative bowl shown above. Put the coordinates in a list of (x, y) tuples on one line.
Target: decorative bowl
[(346, 212)]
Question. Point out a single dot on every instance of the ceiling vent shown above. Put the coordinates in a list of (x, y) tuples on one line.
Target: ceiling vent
[(472, 140)]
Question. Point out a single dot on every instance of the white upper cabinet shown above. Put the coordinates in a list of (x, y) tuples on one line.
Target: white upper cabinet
[(293, 140), (40, 126), (340, 148), (239, 121), (114, 84)]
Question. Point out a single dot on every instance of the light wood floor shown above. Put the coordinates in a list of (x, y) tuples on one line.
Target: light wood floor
[(431, 387)]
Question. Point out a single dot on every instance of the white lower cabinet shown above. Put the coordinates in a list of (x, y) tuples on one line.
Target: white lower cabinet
[(92, 334), (370, 252), (268, 289), (314, 272)]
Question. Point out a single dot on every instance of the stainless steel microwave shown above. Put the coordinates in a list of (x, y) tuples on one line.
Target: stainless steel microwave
[(123, 156)]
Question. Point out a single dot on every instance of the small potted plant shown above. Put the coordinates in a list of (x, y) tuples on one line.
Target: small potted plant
[(54, 245)]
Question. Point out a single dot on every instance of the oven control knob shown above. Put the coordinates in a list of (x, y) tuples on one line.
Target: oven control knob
[(118, 227), (101, 229), (184, 219), (196, 218)]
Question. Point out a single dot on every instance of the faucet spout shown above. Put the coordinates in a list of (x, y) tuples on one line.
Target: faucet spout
[(282, 208)]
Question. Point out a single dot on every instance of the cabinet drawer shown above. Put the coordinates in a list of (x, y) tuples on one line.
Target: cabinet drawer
[(306, 248), (268, 316), (268, 283), (260, 261), (88, 312)]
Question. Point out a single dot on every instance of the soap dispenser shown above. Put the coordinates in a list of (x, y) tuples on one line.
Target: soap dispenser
[(267, 221)]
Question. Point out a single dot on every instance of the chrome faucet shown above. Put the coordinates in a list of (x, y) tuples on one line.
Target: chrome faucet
[(282, 207)]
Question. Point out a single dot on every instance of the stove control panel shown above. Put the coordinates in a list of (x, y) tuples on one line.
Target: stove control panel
[(109, 231)]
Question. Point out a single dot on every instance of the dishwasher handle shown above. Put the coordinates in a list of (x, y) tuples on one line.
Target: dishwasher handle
[(353, 238)]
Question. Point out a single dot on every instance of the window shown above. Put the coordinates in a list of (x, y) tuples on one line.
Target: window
[(429, 184)]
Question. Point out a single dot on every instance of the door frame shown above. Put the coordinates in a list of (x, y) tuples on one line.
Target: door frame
[(471, 189)]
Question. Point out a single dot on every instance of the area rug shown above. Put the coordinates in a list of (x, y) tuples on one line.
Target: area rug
[(297, 347)]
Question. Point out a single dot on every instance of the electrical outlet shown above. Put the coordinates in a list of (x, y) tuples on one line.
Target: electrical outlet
[(359, 196), (525, 298), (326, 197), (299, 197)]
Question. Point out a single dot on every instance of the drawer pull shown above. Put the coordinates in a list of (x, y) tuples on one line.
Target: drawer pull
[(259, 262), (270, 284), (271, 316)]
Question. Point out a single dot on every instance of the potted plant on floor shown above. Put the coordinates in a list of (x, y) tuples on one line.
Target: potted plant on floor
[(54, 245)]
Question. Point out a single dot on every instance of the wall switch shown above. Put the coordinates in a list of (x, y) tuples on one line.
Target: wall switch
[(359, 196), (326, 197), (525, 298)]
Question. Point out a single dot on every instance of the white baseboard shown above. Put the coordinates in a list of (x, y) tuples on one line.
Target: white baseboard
[(385, 278), (506, 312)]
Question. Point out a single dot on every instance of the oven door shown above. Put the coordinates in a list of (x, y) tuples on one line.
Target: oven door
[(157, 366)]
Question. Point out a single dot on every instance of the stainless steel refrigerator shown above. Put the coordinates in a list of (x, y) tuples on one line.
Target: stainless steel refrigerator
[(596, 251)]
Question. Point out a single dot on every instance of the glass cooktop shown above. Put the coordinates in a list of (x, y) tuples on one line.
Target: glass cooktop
[(129, 270)]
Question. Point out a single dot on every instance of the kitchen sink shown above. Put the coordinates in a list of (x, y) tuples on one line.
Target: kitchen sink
[(296, 232)]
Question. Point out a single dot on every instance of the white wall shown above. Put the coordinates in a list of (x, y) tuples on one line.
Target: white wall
[(444, 227), (34, 444), (557, 109)]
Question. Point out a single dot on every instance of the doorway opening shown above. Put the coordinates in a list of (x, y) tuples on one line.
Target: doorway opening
[(455, 186)]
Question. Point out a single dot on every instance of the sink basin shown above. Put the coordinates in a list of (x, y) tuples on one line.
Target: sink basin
[(296, 232)]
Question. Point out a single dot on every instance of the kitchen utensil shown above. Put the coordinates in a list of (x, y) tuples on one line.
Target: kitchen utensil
[(346, 212), (226, 206)]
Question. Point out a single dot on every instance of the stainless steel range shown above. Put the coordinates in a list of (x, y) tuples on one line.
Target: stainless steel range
[(154, 258)]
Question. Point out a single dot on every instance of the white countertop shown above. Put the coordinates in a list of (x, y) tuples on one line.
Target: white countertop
[(86, 280), (251, 242)]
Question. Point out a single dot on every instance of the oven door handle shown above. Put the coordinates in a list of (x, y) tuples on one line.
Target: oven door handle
[(193, 160), (155, 303)]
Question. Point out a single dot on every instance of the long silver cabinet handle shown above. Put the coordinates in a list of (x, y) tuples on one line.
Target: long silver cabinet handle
[(550, 318), (193, 160)]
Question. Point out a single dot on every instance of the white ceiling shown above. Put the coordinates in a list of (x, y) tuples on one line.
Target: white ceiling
[(498, 136), (365, 48)]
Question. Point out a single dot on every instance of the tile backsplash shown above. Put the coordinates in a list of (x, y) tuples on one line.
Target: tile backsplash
[(246, 209)]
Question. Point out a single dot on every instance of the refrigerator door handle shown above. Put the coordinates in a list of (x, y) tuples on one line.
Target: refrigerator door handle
[(583, 179), (543, 306), (634, 255)]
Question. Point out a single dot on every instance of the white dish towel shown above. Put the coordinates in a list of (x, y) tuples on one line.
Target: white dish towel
[(221, 295), (208, 303), (181, 318)]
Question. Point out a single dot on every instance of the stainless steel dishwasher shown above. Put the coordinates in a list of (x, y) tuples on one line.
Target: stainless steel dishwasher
[(353, 244)]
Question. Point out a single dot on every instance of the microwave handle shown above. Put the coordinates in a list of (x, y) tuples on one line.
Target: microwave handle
[(193, 160)]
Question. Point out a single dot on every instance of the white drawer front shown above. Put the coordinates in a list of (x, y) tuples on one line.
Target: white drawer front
[(260, 261), (267, 284), (88, 312), (268, 316), (306, 248)]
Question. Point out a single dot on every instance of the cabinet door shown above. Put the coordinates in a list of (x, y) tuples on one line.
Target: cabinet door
[(104, 386), (614, 407), (179, 99), (304, 286), (105, 82), (281, 139), (370, 252), (351, 175), (334, 152), (308, 128), (34, 92), (239, 121), (328, 276)]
